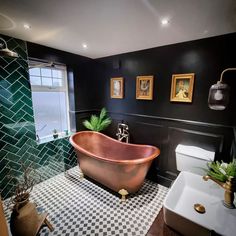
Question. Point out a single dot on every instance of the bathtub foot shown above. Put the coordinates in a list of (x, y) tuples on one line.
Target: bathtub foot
[(81, 175), (123, 194)]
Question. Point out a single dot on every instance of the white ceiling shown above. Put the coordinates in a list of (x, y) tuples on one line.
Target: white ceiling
[(112, 27)]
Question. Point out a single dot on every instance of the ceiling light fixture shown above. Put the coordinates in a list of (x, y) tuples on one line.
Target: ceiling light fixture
[(5, 52), (165, 21), (27, 26), (219, 93), (84, 45)]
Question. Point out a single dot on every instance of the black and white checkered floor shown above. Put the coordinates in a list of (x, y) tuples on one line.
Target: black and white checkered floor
[(79, 207)]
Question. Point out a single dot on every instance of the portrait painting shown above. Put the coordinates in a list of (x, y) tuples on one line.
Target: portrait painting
[(116, 87), (182, 87), (144, 87)]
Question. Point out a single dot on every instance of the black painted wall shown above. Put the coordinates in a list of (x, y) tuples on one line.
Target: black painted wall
[(163, 123), (206, 58)]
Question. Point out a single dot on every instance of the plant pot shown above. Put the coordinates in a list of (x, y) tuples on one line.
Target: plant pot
[(20, 201), (55, 135), (26, 221)]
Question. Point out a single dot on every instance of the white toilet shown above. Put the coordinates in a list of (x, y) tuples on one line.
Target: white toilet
[(193, 159)]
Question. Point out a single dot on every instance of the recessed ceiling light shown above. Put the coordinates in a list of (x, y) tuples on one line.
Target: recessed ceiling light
[(27, 26), (84, 45), (165, 21)]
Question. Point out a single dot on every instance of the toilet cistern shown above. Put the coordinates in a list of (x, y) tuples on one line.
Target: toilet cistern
[(193, 159)]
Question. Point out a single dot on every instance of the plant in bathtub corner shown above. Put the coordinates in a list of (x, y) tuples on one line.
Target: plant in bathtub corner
[(98, 123), (222, 171)]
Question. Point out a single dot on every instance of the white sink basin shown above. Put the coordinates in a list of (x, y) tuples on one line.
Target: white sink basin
[(189, 189)]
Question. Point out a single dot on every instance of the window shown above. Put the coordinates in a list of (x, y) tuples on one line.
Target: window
[(50, 99)]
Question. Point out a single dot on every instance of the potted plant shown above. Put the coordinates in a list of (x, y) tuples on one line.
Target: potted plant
[(224, 174), (25, 219), (55, 133), (98, 123), (222, 171), (23, 185)]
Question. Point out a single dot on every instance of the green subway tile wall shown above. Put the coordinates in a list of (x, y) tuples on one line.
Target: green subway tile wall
[(17, 130)]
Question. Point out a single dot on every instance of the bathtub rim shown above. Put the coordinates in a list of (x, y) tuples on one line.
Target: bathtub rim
[(134, 161)]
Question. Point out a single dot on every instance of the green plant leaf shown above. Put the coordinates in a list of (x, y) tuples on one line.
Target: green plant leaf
[(94, 122), (88, 125), (103, 114), (104, 124), (98, 123), (221, 171)]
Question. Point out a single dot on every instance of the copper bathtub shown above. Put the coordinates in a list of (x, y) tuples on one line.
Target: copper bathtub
[(114, 164)]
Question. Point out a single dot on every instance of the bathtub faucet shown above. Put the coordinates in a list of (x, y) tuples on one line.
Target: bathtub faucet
[(123, 132)]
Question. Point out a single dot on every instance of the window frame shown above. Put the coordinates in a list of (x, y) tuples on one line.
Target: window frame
[(43, 88)]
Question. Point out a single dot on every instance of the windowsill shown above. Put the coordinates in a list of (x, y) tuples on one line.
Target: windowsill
[(51, 138)]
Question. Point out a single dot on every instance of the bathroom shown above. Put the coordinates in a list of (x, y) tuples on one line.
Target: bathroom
[(119, 41)]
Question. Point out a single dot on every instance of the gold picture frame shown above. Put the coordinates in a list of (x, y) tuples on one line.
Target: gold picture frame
[(144, 87), (182, 87), (117, 87)]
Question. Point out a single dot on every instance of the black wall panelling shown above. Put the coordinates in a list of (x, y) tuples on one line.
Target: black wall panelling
[(167, 134)]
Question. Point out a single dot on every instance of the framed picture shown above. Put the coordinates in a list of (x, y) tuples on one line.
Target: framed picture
[(182, 87), (144, 87), (117, 87)]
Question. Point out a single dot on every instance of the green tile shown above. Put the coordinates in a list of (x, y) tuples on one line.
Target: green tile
[(26, 91), (13, 77), (14, 165), (21, 141), (14, 87), (7, 112), (11, 148), (4, 84), (9, 139), (5, 120), (3, 73), (11, 43), (6, 94), (50, 152), (26, 100), (3, 62), (23, 149), (17, 129), (28, 118), (11, 67), (19, 104), (18, 116), (4, 171), (33, 151), (3, 153), (21, 52)]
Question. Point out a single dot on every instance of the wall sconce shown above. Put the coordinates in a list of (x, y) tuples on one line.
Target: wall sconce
[(219, 94), (4, 51)]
